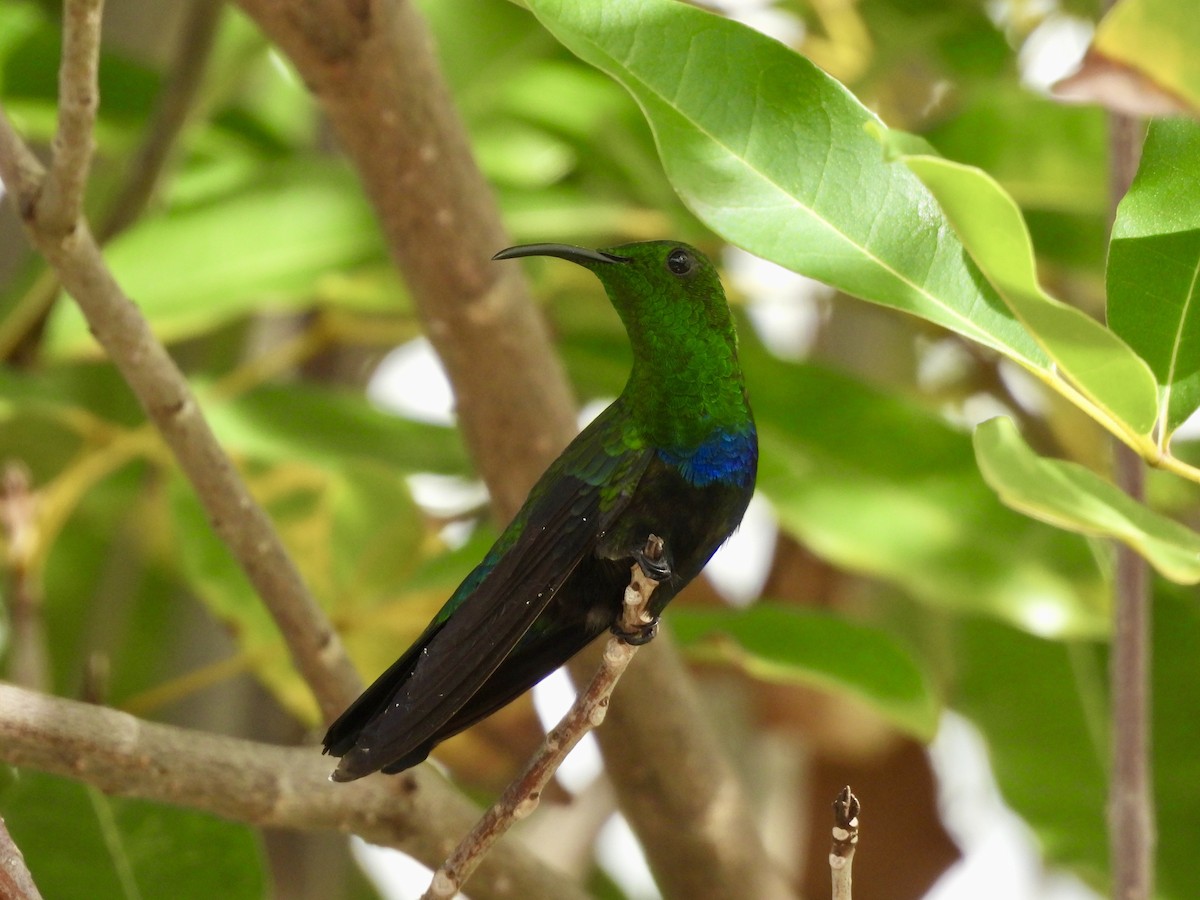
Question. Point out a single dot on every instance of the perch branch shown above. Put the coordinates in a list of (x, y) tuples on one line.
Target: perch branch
[(845, 840), (259, 784), (522, 796), (159, 385)]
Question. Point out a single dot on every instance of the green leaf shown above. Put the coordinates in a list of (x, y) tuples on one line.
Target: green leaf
[(1154, 267), (1094, 359), (522, 156), (774, 155), (195, 268), (1175, 737), (79, 843), (330, 427), (793, 646), (1158, 38), (1072, 497), (1043, 708)]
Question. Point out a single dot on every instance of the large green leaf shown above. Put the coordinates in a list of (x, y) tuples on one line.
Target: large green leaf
[(1093, 358), (774, 156), (80, 843), (1154, 267), (1072, 497), (794, 646)]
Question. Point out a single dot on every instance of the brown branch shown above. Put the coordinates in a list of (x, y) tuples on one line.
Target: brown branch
[(61, 202), (168, 401), (259, 784), (371, 65), (27, 664), (845, 840), (587, 712), (1131, 813), (668, 768), (15, 881)]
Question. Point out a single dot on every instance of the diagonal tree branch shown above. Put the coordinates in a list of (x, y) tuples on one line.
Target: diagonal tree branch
[(259, 784), (43, 198), (371, 65)]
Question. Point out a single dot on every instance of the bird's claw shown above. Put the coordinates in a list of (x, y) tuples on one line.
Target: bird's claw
[(652, 560), (643, 634)]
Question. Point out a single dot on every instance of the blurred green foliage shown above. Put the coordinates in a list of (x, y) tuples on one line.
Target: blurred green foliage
[(258, 260)]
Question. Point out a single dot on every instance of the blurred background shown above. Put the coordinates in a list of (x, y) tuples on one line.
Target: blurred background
[(881, 620)]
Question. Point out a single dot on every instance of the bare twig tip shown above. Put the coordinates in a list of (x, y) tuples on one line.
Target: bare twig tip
[(845, 839)]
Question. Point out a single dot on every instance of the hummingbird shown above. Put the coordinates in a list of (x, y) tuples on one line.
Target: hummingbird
[(674, 456)]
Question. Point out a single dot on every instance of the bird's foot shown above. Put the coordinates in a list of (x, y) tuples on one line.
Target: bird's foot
[(643, 634), (652, 559)]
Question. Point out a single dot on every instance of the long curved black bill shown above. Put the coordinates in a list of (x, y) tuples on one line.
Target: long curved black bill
[(580, 255)]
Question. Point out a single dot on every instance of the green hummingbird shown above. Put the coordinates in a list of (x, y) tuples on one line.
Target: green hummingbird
[(675, 455)]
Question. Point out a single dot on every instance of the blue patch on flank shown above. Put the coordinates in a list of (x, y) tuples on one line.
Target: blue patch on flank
[(728, 456)]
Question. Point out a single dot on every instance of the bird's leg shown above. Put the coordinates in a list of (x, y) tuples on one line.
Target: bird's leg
[(652, 561)]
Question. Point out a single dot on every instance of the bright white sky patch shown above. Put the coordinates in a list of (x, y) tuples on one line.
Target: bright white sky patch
[(411, 382)]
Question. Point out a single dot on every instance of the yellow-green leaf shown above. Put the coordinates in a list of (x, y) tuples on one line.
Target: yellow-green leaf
[(1072, 497)]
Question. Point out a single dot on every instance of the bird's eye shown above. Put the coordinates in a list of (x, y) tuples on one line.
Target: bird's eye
[(680, 261)]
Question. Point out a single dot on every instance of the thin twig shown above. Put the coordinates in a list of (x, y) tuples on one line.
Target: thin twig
[(256, 783), (170, 404), (61, 203), (27, 664), (1131, 812), (522, 796), (845, 840), (16, 883), (193, 50), (142, 174)]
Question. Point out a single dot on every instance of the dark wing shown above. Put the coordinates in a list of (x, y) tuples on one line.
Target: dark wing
[(550, 642), (571, 506)]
